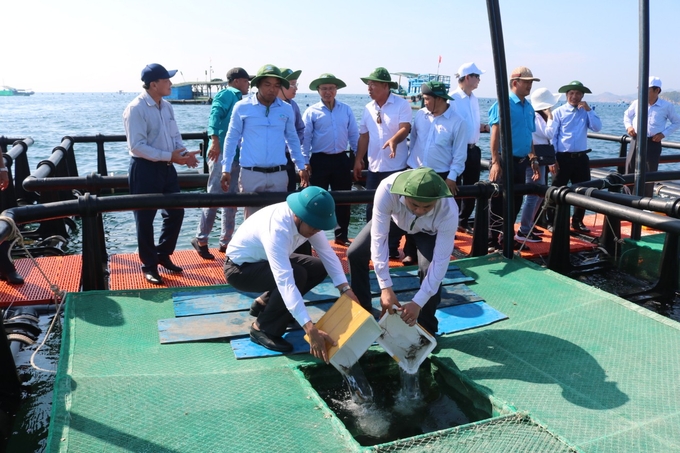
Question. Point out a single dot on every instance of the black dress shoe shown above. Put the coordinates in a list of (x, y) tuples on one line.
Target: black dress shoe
[(202, 250), (274, 343), (342, 241), (153, 277), (13, 278), (166, 263), (580, 227)]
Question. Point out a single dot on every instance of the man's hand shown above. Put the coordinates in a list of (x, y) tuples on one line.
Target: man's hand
[(554, 169), (583, 105), (304, 178), (184, 157), (214, 151), (453, 187), (495, 172), (358, 167), (631, 131), (392, 143), (318, 340), (535, 168), (410, 312), (225, 180), (658, 137), (387, 300)]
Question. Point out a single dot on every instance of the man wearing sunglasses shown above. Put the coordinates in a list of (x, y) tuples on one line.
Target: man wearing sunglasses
[(384, 126)]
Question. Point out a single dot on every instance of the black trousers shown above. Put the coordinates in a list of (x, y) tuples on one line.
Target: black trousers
[(496, 205), (469, 177), (308, 271), (145, 177), (333, 170), (574, 168), (359, 255), (653, 156)]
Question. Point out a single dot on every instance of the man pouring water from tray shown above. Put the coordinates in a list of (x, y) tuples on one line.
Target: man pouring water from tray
[(420, 203), (261, 257)]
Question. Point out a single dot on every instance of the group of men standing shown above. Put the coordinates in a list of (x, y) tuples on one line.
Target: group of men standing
[(262, 143)]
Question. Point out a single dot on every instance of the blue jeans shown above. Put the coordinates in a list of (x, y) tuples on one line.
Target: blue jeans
[(205, 225), (532, 203)]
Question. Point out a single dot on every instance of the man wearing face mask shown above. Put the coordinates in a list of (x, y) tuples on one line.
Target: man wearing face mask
[(419, 202)]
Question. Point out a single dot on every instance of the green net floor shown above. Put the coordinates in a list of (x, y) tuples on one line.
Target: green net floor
[(573, 368)]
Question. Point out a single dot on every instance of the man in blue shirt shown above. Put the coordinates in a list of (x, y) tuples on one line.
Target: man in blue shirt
[(155, 144), (287, 95), (263, 124), (329, 127), (522, 126), (571, 122), (238, 82)]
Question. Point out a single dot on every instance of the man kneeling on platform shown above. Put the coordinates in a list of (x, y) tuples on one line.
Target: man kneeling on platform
[(420, 203), (260, 258)]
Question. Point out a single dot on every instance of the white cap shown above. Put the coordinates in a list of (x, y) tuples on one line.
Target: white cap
[(654, 82), (542, 99), (467, 69)]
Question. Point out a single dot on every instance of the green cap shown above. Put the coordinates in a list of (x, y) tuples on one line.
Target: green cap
[(269, 70), (289, 74), (574, 85), (314, 206), (380, 75), (324, 79), (422, 184), (435, 88)]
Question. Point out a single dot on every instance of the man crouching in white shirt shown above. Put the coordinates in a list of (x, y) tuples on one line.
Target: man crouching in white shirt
[(260, 258), (420, 203)]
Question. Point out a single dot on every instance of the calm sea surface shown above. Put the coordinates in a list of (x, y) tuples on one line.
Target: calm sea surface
[(48, 117)]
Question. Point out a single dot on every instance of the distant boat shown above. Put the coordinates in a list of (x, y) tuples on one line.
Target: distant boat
[(413, 93), (195, 92), (9, 91)]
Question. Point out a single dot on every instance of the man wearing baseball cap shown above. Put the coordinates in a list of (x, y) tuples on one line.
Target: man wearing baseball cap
[(420, 203), (238, 82), (659, 114), (261, 258), (155, 144), (330, 127), (522, 126), (571, 122), (263, 125), (467, 106)]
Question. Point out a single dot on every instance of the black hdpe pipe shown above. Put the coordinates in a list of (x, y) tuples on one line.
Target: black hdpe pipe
[(500, 70), (10, 388), (22, 328)]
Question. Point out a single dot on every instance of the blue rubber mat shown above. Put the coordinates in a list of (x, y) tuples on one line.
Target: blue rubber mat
[(237, 323), (452, 319), (227, 299)]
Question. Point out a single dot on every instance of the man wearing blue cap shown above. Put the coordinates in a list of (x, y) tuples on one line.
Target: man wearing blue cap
[(261, 258), (155, 144)]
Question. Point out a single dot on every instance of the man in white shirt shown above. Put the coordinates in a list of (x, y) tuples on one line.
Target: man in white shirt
[(384, 126), (660, 112), (467, 106), (419, 202), (261, 258)]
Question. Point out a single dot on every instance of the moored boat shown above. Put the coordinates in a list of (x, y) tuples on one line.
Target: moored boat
[(10, 91), (412, 91), (195, 92)]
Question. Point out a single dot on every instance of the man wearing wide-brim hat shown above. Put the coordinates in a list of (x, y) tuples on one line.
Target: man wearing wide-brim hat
[(419, 202), (571, 122), (263, 125), (287, 95), (261, 257), (662, 121), (384, 126), (330, 128)]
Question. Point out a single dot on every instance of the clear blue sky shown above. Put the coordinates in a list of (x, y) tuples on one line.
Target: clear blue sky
[(85, 45)]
